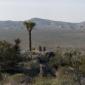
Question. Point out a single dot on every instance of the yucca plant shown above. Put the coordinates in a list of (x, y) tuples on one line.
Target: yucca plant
[(29, 25)]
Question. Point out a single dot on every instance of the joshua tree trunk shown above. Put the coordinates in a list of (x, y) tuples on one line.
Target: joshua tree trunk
[(30, 42)]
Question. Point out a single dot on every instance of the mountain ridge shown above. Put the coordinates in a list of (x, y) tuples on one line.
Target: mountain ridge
[(44, 24)]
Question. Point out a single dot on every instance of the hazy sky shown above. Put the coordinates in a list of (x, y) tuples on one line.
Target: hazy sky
[(59, 10)]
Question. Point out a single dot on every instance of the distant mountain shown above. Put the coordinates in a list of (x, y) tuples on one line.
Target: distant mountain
[(10, 24), (58, 25), (44, 24)]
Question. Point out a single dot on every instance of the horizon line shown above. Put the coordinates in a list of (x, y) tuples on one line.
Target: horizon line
[(43, 19)]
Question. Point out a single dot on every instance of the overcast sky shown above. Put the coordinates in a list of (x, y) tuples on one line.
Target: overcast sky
[(59, 10)]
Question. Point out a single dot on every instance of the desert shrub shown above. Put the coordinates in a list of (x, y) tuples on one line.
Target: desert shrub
[(15, 79), (74, 61), (82, 65), (57, 59), (9, 55), (1, 77), (66, 80), (43, 81), (33, 68)]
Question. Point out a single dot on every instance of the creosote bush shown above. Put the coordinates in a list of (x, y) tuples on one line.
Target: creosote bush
[(9, 55)]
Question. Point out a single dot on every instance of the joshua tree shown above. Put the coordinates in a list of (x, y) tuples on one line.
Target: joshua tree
[(44, 48), (40, 48), (16, 46), (29, 25)]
